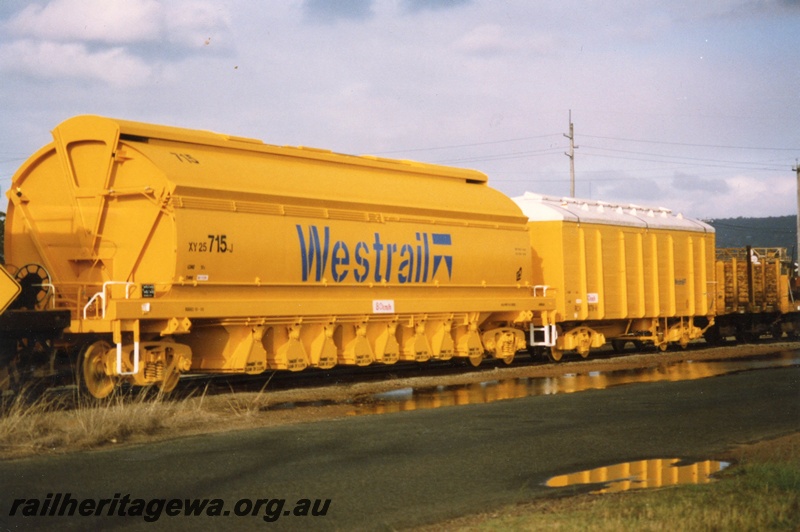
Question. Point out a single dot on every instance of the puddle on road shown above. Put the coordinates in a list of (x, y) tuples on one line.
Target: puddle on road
[(641, 474), (497, 390)]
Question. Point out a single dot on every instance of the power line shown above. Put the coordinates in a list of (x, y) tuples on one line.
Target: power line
[(469, 145), (533, 179), (692, 145), (766, 169), (672, 156), (672, 159), (502, 156)]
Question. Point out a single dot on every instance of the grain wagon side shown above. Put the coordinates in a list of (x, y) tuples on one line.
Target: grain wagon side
[(176, 250)]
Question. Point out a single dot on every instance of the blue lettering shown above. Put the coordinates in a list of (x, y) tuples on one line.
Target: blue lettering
[(308, 254), (378, 247), (406, 265), (419, 262), (390, 249), (340, 257), (425, 261), (361, 249)]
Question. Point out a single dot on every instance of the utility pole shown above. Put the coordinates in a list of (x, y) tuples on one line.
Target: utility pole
[(571, 155), (797, 248)]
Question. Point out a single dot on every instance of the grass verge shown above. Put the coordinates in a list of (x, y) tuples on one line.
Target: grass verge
[(59, 422), (66, 423), (761, 491)]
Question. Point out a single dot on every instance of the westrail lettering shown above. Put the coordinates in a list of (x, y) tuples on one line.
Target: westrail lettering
[(374, 259)]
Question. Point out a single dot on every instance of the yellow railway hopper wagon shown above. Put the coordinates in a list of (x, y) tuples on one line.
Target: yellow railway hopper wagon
[(621, 272), (754, 295), (178, 250)]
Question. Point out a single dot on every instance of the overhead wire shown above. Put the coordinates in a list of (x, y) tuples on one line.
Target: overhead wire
[(773, 165), (707, 165), (691, 144), (471, 145), (697, 159)]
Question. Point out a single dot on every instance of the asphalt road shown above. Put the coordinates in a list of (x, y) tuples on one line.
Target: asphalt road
[(399, 470)]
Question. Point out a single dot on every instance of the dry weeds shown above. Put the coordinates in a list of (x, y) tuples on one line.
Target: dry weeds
[(62, 423)]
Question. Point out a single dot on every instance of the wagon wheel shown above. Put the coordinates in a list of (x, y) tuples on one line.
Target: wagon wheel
[(713, 335), (170, 381), (92, 374), (508, 360), (475, 360), (618, 345), (555, 354), (171, 376)]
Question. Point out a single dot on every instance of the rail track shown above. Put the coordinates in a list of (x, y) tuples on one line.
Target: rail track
[(65, 394)]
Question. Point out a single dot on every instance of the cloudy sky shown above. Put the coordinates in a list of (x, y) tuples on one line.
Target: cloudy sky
[(684, 104)]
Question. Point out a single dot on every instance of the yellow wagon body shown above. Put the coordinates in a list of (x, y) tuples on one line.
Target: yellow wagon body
[(621, 272), (195, 250)]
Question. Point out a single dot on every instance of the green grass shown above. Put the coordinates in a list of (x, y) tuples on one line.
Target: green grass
[(760, 492)]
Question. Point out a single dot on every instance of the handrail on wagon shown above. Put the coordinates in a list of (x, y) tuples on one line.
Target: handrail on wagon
[(49, 286), (136, 356), (102, 295), (540, 287)]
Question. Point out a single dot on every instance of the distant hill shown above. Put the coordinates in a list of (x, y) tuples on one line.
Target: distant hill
[(772, 232)]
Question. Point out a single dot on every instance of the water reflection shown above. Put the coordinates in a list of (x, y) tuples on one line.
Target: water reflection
[(497, 390), (642, 474)]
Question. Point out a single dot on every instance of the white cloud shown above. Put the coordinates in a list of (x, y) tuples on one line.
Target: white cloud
[(51, 60), (120, 21), (184, 22), (194, 23), (752, 196), (494, 39), (483, 84), (121, 43)]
